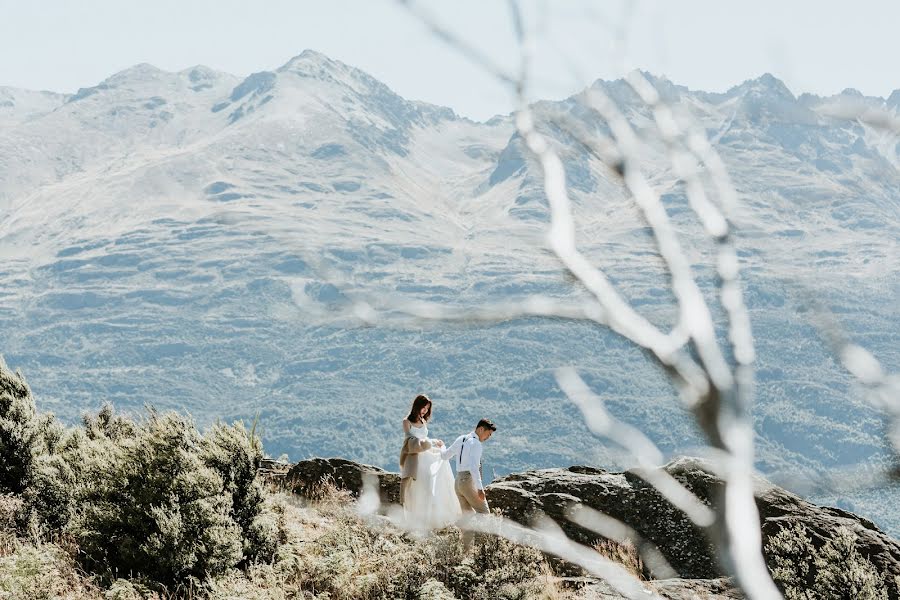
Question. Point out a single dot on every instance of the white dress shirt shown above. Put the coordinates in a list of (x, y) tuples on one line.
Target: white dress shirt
[(467, 449)]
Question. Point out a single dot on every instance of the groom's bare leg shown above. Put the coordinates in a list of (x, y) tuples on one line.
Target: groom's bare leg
[(469, 502)]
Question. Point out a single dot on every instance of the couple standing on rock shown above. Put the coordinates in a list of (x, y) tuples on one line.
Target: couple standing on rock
[(430, 496)]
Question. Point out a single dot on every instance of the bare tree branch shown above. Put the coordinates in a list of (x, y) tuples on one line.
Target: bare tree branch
[(882, 388), (694, 314), (403, 313), (636, 443), (719, 395), (613, 529), (476, 56)]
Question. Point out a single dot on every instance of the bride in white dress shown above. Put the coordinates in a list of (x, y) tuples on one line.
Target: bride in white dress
[(430, 501)]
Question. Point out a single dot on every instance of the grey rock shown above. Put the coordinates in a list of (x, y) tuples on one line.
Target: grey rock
[(673, 589), (306, 477), (623, 496), (708, 589)]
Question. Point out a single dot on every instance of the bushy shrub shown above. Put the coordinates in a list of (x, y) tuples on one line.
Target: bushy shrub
[(842, 572), (835, 571), (73, 464), (126, 589), (434, 590), (499, 569), (154, 501), (160, 512), (10, 509), (235, 454), (20, 432), (50, 496), (29, 464), (791, 553), (108, 426)]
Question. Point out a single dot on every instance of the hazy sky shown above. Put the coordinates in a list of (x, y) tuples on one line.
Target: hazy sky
[(818, 46)]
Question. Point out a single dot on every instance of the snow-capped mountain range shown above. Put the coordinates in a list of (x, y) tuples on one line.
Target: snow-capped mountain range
[(195, 240)]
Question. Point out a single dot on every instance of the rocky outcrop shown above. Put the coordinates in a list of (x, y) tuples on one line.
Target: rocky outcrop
[(307, 477), (273, 472), (590, 588), (623, 496), (708, 589), (628, 498)]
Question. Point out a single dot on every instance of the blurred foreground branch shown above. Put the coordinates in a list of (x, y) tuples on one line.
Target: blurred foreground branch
[(717, 386)]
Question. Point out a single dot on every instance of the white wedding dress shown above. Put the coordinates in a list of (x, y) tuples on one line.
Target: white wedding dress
[(431, 501)]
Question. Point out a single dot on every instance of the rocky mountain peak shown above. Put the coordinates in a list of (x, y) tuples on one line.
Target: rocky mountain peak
[(310, 64), (765, 85), (147, 80), (255, 83), (202, 77), (893, 100), (309, 59), (138, 72)]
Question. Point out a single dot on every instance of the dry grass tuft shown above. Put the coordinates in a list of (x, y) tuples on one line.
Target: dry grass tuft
[(625, 553), (44, 571), (10, 510)]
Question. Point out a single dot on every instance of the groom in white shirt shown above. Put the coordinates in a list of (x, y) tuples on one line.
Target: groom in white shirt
[(469, 487)]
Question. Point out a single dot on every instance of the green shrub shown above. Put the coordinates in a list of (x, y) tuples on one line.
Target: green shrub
[(502, 569), (154, 501), (125, 589), (791, 553), (50, 496), (20, 432), (29, 465), (108, 426), (159, 511), (235, 454), (71, 469), (434, 590), (842, 572)]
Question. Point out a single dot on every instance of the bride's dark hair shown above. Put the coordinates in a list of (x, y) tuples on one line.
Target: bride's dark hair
[(417, 405)]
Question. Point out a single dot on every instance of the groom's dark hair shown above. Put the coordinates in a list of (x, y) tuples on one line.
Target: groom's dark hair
[(487, 424)]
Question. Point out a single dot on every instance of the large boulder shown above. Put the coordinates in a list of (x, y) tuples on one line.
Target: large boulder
[(623, 496), (307, 477)]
